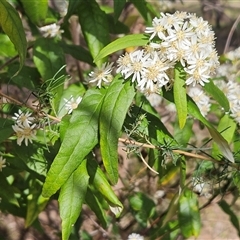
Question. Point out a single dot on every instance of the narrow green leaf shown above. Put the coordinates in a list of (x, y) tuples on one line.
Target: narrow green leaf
[(78, 52), (141, 7), (233, 217), (94, 26), (122, 43), (101, 184), (79, 140), (94, 203), (71, 198), (36, 203), (188, 214), (116, 102), (36, 10), (217, 137), (11, 24), (179, 91), (118, 7), (217, 94)]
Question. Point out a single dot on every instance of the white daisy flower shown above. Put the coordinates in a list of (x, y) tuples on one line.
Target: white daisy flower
[(135, 236), (51, 30), (100, 76), (71, 103), (24, 133), (23, 119)]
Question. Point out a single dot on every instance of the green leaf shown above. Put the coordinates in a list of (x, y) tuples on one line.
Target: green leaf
[(71, 198), (50, 61), (217, 137), (79, 140), (94, 203), (122, 43), (78, 52), (101, 184), (48, 57), (94, 26), (11, 24), (118, 7), (116, 102), (141, 7), (6, 129), (7, 47), (36, 10), (36, 202), (179, 91), (233, 217), (217, 94), (116, 27), (188, 214), (7, 190)]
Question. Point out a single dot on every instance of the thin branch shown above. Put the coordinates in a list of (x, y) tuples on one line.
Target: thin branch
[(147, 164), (234, 26), (193, 155)]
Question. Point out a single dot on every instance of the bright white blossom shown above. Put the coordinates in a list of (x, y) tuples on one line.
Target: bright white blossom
[(135, 236), (51, 30), (24, 133), (179, 37), (23, 119), (2, 163), (100, 76), (71, 103)]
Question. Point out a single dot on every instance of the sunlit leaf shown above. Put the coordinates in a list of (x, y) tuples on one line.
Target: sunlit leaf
[(132, 40), (79, 140), (188, 214), (217, 94), (116, 102), (73, 191), (179, 92), (11, 24), (36, 10)]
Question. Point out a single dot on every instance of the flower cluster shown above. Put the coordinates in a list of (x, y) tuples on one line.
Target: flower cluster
[(135, 236), (179, 37), (24, 127), (229, 75)]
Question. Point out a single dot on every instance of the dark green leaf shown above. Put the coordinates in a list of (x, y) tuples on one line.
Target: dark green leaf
[(99, 181), (118, 7), (233, 217), (116, 27), (132, 40), (6, 129), (71, 198), (179, 91), (36, 10), (141, 7), (96, 206), (77, 52), (79, 140), (116, 102), (188, 214), (217, 94), (12, 26), (94, 27)]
